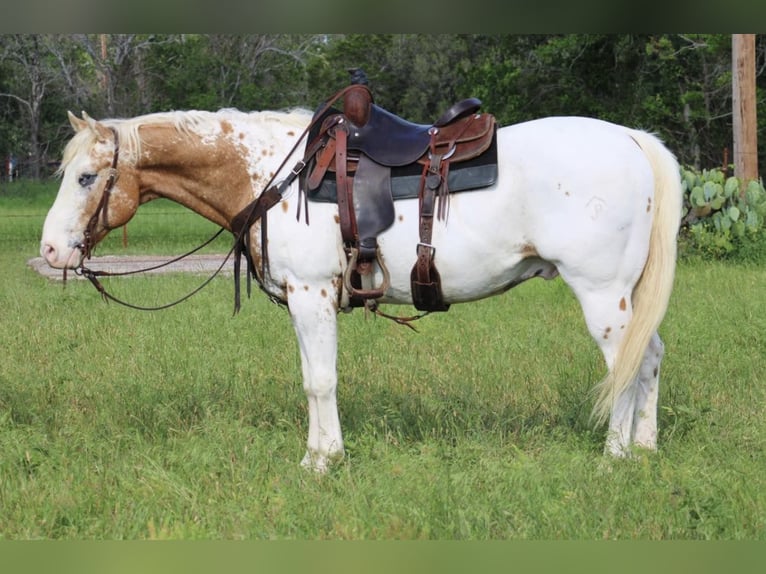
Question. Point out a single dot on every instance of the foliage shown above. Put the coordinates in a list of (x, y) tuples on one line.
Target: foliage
[(722, 217), (678, 85)]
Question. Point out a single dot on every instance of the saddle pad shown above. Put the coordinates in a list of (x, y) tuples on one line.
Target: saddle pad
[(476, 173)]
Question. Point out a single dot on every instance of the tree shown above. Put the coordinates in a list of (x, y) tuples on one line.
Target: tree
[(678, 85), (33, 75), (243, 71), (416, 76), (119, 85)]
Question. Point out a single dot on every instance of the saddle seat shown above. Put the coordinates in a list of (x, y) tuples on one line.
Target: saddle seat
[(393, 141), (460, 134)]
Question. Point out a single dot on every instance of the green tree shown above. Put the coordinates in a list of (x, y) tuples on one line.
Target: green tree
[(250, 72), (32, 85), (676, 85)]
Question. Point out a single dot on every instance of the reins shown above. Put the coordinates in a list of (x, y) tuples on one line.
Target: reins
[(93, 275), (89, 244), (240, 224)]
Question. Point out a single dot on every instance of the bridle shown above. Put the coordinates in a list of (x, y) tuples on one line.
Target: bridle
[(240, 224), (88, 242)]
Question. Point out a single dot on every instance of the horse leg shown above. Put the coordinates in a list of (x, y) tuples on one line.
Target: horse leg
[(633, 419), (647, 389), (634, 416), (620, 430), (315, 321), (607, 314)]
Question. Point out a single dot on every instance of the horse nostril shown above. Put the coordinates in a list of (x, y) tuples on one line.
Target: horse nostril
[(49, 252)]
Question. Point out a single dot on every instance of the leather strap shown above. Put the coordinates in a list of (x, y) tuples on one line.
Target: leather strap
[(103, 205), (345, 188), (323, 160), (425, 281)]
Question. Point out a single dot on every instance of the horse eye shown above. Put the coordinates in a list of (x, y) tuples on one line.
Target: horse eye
[(86, 179)]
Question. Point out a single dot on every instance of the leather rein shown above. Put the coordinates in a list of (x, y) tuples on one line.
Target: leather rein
[(240, 224)]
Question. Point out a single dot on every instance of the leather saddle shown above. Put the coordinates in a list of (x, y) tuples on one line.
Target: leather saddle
[(368, 157)]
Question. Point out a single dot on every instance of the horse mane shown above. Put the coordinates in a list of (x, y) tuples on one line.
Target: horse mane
[(184, 122)]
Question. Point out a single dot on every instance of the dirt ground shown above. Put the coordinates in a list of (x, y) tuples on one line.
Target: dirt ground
[(115, 263)]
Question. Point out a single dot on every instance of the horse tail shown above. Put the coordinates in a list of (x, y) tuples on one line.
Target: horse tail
[(652, 292)]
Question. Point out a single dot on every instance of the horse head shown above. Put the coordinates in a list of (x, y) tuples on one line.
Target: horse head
[(98, 193)]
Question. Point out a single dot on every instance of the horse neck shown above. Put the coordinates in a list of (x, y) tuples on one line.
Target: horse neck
[(208, 174)]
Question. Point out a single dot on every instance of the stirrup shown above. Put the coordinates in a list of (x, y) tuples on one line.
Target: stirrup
[(373, 293)]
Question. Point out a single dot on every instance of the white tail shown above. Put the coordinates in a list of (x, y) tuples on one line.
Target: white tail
[(652, 292)]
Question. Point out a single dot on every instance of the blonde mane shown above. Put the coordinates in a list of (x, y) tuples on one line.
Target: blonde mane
[(183, 121)]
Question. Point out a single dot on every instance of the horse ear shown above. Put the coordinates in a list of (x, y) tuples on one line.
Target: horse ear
[(77, 124), (101, 131)]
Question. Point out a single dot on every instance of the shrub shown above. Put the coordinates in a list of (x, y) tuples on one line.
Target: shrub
[(722, 219)]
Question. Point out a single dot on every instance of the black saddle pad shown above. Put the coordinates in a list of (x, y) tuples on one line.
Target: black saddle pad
[(476, 173)]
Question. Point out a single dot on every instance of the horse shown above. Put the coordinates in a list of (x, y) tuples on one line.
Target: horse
[(592, 202)]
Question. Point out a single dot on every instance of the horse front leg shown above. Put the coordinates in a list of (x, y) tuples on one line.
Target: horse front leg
[(314, 318)]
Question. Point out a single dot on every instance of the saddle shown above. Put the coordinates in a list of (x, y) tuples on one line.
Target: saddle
[(367, 157)]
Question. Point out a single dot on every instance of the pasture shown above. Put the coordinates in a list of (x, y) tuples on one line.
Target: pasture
[(190, 423)]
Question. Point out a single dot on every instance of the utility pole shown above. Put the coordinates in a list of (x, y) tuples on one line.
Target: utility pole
[(745, 122)]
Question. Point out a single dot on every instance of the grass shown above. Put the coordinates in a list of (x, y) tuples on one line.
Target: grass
[(189, 423)]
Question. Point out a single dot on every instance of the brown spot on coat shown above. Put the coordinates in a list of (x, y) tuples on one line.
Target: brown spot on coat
[(305, 287), (656, 372), (606, 332), (290, 288), (323, 292), (623, 304), (528, 250), (285, 207)]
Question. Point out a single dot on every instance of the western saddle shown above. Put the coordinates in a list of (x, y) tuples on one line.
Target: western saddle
[(363, 148)]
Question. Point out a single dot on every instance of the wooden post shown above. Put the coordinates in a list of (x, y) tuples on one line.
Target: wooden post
[(743, 107)]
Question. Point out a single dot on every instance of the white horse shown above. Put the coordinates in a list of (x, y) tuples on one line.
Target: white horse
[(596, 203)]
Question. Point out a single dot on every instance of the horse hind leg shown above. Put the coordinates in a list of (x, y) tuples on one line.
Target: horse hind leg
[(632, 413), (633, 422), (644, 433)]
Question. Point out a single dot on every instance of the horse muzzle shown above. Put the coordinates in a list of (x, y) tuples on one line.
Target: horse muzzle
[(69, 257)]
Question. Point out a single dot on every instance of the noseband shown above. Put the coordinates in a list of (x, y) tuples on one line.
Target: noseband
[(88, 242)]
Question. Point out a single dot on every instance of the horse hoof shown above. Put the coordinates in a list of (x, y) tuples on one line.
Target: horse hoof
[(320, 463)]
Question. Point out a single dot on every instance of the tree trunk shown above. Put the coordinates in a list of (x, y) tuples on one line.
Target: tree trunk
[(744, 108)]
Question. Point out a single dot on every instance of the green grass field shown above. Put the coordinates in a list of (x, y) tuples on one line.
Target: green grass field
[(190, 423)]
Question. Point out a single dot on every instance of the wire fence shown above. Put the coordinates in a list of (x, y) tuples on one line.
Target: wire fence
[(150, 232)]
